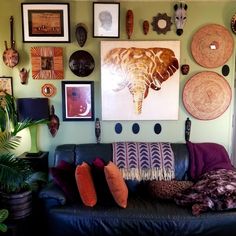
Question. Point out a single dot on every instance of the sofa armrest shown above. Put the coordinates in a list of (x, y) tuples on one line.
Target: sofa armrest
[(52, 194)]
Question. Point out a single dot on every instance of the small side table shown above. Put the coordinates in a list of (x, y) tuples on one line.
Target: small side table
[(37, 163)]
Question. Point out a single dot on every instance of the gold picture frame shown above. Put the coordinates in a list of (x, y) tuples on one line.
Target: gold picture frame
[(47, 63)]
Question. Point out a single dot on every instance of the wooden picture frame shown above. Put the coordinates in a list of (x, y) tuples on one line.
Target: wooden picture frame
[(47, 63), (78, 100), (6, 85), (106, 20), (45, 22)]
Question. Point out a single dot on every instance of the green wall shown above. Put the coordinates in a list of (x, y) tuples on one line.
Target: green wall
[(199, 13)]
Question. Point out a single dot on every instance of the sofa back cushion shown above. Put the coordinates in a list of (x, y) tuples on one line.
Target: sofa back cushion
[(78, 153)]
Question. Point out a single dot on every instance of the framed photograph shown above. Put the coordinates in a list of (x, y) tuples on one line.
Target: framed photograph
[(78, 100), (45, 22), (143, 77), (6, 85), (106, 20), (47, 63)]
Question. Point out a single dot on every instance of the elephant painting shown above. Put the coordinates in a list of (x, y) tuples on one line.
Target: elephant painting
[(139, 70)]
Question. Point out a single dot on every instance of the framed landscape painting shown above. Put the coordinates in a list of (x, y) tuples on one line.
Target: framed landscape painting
[(140, 80)]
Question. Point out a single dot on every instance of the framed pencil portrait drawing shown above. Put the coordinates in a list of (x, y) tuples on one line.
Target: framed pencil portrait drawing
[(106, 20), (78, 100), (45, 22)]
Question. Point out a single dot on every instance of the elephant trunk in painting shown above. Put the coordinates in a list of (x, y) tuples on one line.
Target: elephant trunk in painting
[(140, 69)]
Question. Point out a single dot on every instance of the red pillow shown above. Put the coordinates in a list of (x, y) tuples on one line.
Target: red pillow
[(85, 184), (116, 184), (64, 176)]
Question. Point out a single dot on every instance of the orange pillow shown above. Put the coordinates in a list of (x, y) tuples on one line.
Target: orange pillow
[(116, 184), (85, 184)]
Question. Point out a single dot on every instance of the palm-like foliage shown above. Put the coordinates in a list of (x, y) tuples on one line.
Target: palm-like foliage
[(14, 171)]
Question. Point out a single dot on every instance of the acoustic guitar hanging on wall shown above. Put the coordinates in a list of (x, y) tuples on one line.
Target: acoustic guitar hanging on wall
[(10, 55)]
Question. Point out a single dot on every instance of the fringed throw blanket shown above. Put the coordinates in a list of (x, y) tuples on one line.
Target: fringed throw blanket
[(144, 161)]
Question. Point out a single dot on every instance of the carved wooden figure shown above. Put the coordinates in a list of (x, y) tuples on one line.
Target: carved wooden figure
[(145, 27), (129, 23)]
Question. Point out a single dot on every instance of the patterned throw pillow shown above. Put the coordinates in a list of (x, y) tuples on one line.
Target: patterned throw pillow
[(167, 189)]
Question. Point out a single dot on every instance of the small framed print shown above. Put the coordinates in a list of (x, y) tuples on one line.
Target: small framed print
[(106, 20), (45, 22), (6, 85), (47, 63), (78, 100)]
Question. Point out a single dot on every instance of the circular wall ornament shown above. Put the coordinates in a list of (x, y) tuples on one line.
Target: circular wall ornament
[(48, 90), (118, 128), (206, 95), (81, 63), (135, 128), (161, 23), (212, 45), (157, 128)]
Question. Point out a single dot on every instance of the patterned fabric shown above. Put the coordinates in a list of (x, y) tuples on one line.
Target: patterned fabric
[(167, 189), (144, 161), (215, 190)]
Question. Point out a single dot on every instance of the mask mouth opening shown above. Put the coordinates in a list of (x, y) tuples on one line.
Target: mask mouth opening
[(179, 32)]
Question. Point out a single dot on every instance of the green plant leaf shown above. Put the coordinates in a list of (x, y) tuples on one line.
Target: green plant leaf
[(13, 173), (3, 214), (3, 228)]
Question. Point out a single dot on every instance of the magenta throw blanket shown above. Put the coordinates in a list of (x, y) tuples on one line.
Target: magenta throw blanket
[(144, 161), (206, 157)]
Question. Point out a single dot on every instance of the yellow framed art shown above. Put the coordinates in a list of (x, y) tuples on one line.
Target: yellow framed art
[(47, 63)]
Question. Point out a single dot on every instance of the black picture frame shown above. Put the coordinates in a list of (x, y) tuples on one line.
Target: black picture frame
[(106, 19), (78, 100), (45, 22)]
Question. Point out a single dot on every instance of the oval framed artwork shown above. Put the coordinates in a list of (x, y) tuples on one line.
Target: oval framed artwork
[(206, 95), (48, 90)]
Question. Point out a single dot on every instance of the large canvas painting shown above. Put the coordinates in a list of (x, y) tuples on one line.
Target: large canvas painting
[(140, 80)]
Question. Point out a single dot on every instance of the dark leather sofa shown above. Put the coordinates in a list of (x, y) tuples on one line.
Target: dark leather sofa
[(143, 216)]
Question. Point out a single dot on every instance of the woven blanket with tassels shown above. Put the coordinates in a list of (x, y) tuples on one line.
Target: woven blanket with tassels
[(144, 161)]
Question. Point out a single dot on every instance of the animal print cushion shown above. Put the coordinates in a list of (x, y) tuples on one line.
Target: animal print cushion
[(167, 189)]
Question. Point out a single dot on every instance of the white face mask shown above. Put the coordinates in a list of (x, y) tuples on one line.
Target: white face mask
[(180, 17)]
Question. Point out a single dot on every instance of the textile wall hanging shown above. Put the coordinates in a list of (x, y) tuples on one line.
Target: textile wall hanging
[(206, 95), (140, 80), (212, 45)]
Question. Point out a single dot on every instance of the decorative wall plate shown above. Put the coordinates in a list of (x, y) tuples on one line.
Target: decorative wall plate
[(212, 45), (81, 63), (206, 95)]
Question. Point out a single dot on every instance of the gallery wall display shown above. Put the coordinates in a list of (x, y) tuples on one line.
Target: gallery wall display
[(47, 63), (78, 100), (106, 20), (206, 95), (136, 75), (45, 22)]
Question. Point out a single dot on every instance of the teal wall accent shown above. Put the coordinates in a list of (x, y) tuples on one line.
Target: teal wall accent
[(199, 14)]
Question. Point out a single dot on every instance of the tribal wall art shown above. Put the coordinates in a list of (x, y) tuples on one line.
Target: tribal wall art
[(140, 80)]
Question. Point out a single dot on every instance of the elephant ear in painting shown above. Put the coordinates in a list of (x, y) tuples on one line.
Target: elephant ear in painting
[(180, 17), (140, 69)]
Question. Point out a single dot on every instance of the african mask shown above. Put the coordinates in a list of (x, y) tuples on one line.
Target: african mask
[(180, 17)]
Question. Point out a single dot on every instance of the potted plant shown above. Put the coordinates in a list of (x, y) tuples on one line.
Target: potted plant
[(14, 172)]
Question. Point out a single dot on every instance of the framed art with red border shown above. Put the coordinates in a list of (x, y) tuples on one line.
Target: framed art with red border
[(78, 100)]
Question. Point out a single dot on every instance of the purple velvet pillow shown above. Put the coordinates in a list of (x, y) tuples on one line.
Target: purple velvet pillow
[(64, 176), (104, 196)]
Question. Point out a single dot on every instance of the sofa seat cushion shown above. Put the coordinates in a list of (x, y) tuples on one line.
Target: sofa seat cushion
[(141, 217)]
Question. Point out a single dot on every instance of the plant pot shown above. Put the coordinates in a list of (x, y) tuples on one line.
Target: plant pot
[(19, 205)]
